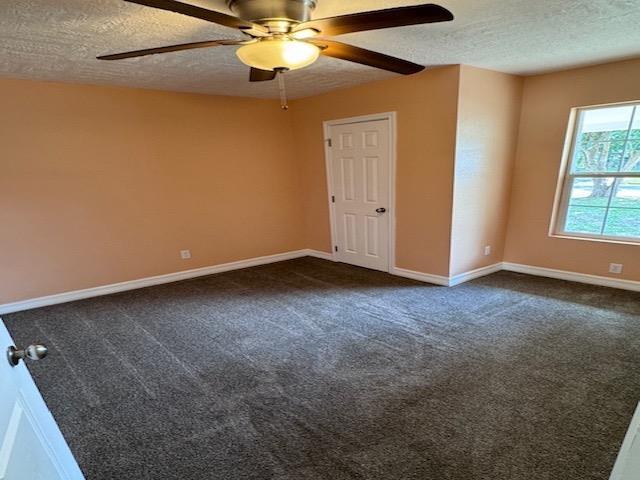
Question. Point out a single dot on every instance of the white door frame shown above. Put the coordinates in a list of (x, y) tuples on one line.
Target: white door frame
[(391, 209)]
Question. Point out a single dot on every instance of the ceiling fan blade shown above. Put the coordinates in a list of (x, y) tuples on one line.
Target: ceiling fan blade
[(201, 13), (258, 75), (392, 17), (170, 48), (366, 57)]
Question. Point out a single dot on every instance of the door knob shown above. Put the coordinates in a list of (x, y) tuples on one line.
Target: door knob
[(32, 352), (381, 210)]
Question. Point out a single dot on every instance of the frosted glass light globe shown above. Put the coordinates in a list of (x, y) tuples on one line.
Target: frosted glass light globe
[(272, 53)]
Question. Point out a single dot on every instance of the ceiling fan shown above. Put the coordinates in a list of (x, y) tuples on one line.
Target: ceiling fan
[(281, 35)]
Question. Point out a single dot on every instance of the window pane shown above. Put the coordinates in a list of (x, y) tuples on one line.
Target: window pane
[(591, 199), (606, 124), (635, 128), (627, 194), (591, 157), (585, 219), (588, 204), (601, 140), (631, 161), (623, 222), (591, 192)]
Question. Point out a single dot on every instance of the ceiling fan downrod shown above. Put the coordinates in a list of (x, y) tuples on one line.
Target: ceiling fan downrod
[(266, 11)]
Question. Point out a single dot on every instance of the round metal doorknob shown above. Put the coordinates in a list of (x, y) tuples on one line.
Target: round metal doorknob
[(32, 352), (36, 352), (381, 210)]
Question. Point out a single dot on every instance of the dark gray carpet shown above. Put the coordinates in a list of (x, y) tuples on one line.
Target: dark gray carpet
[(313, 370)]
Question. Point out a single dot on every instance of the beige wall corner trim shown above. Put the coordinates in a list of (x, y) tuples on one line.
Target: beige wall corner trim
[(573, 276), (156, 280)]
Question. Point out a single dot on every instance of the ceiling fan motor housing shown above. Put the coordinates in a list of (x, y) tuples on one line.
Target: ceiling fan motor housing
[(263, 11)]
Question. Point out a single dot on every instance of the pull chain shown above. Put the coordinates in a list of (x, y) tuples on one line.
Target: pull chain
[(283, 90)]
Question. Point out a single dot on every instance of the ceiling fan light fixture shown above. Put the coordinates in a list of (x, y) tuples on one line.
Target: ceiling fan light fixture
[(278, 52)]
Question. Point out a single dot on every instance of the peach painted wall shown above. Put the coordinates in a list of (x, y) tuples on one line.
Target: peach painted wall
[(488, 120), (426, 113), (547, 102), (101, 185)]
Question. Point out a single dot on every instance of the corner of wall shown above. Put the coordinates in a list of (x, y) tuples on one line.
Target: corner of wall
[(460, 69), (489, 105)]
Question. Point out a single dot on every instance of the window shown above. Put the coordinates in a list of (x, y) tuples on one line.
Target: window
[(601, 189)]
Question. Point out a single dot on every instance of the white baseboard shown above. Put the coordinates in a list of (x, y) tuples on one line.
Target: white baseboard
[(515, 267), (252, 262), (319, 254), (473, 274), (421, 277), (447, 281), (151, 281), (572, 276)]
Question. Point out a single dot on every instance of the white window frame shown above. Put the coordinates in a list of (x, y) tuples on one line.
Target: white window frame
[(563, 190)]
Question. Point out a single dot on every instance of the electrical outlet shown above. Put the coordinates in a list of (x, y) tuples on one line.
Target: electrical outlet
[(615, 268), (487, 250), (185, 254)]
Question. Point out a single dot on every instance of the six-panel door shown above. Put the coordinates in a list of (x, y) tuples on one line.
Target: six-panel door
[(360, 164)]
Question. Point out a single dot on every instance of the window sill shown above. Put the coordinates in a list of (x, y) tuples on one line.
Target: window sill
[(569, 236)]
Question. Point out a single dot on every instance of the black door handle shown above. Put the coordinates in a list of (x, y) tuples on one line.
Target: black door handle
[(381, 210)]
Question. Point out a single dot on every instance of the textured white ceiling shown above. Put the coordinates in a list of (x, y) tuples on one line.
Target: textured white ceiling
[(59, 39)]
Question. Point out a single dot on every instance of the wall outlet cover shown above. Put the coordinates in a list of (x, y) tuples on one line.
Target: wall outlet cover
[(615, 268), (487, 250), (185, 254)]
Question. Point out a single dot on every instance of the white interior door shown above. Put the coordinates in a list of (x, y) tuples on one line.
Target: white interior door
[(627, 465), (360, 163), (31, 444)]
